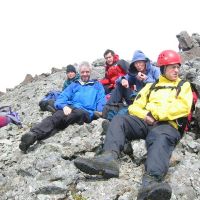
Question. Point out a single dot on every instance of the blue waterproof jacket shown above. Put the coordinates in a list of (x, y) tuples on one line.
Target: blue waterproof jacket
[(88, 96), (152, 72)]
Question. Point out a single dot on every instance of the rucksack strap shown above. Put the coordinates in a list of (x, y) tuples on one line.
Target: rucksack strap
[(151, 88), (178, 87), (182, 122)]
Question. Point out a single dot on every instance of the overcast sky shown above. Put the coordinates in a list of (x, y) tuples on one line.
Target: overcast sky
[(37, 35)]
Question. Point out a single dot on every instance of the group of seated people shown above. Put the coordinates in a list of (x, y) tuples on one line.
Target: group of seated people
[(150, 116), (122, 80)]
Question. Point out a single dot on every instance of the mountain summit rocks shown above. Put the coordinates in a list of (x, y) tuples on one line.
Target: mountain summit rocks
[(47, 171)]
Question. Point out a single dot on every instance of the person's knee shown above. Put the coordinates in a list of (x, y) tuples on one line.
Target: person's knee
[(160, 140), (118, 122), (58, 113), (118, 119), (58, 116)]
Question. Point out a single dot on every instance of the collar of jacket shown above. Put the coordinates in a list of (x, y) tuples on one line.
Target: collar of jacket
[(167, 82), (86, 83), (74, 79)]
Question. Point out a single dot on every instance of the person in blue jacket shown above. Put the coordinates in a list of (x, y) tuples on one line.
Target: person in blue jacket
[(141, 71), (76, 104)]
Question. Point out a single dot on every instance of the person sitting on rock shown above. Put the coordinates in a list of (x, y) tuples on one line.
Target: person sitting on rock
[(141, 71), (71, 76), (76, 104), (47, 103), (113, 70), (155, 117)]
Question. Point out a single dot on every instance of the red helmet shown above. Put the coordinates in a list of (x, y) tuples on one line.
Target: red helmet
[(168, 57)]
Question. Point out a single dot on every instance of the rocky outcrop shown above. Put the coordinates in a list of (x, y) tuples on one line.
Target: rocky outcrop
[(47, 171), (189, 46), (28, 79), (190, 70)]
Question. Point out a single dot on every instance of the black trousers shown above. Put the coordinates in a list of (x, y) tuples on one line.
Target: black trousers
[(107, 89), (59, 121), (161, 140), (119, 93)]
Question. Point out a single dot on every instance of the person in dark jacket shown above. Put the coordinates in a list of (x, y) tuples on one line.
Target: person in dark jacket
[(114, 68), (72, 75), (141, 71), (47, 102), (155, 117), (76, 104)]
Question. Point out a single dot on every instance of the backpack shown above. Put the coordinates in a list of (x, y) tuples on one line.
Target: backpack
[(47, 102), (184, 123), (124, 65), (12, 116)]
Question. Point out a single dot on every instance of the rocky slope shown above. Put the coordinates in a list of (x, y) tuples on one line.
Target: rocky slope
[(47, 171)]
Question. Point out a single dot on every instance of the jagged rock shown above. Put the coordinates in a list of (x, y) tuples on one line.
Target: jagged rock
[(189, 47), (185, 41), (98, 62), (28, 79), (47, 170), (193, 53), (196, 39), (54, 70)]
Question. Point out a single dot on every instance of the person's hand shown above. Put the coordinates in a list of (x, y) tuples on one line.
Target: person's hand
[(125, 83), (150, 120), (67, 110), (141, 76)]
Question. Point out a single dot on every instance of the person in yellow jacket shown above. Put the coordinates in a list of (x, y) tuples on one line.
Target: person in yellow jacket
[(153, 117)]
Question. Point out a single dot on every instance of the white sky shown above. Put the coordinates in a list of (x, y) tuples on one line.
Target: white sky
[(37, 35)]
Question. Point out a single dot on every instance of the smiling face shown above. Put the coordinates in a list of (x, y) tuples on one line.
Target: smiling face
[(85, 73), (171, 72)]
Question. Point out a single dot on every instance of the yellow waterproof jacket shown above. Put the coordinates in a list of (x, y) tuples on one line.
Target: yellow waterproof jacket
[(163, 104)]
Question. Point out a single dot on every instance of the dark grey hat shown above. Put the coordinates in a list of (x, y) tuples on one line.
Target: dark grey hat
[(70, 68)]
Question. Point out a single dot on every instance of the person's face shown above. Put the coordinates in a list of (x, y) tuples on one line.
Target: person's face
[(140, 65), (85, 73), (109, 59), (71, 75), (172, 72)]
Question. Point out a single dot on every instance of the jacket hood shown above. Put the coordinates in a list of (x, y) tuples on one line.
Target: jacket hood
[(139, 55)]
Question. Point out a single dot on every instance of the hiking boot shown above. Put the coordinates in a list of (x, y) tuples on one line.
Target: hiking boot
[(27, 140), (154, 190), (50, 109), (97, 115), (105, 164)]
